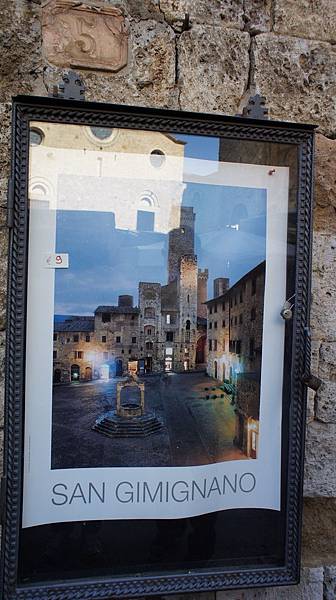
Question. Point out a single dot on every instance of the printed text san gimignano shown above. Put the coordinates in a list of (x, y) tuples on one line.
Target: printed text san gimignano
[(142, 492)]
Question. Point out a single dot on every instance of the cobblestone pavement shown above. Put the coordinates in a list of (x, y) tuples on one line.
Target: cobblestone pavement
[(196, 430)]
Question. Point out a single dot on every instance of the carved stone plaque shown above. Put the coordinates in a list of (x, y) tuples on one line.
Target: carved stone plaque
[(88, 36)]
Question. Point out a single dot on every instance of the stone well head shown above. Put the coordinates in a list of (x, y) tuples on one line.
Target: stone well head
[(130, 398)]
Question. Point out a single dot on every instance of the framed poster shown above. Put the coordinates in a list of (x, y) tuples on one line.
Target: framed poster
[(155, 408)]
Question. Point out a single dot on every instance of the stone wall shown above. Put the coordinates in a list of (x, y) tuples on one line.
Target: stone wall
[(286, 50)]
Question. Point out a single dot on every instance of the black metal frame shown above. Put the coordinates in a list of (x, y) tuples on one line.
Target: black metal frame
[(27, 108)]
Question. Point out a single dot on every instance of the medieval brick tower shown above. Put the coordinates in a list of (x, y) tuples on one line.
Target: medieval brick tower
[(202, 292), (181, 241)]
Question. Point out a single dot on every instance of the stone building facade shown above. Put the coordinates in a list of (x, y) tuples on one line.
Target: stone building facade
[(234, 332), (160, 334), (286, 51)]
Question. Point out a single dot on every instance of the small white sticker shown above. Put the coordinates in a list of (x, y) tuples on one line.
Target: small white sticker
[(56, 261)]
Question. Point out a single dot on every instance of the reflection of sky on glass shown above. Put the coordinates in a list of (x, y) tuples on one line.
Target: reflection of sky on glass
[(106, 262)]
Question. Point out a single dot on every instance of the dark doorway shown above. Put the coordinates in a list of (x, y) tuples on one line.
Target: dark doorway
[(200, 350), (75, 371), (148, 364), (118, 368), (88, 373), (57, 376)]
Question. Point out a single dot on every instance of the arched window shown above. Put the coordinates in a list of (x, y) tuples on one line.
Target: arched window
[(188, 325), (149, 345), (149, 330)]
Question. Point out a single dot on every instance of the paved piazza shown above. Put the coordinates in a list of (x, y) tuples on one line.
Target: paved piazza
[(196, 430)]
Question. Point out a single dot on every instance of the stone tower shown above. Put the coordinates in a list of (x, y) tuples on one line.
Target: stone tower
[(187, 289), (202, 295), (181, 241), (221, 285)]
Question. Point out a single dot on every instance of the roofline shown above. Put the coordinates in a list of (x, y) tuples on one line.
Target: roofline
[(255, 270)]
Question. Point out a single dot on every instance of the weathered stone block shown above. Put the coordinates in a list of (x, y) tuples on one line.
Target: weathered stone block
[(318, 533), (320, 474), (214, 12), (307, 19), (21, 68), (329, 582), (314, 365), (5, 140), (311, 587), (298, 78), (213, 67), (325, 189), (326, 402), (257, 15), (327, 362), (149, 78), (323, 316)]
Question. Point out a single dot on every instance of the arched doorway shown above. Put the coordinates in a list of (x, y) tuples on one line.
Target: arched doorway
[(88, 373), (57, 376), (200, 350), (75, 372)]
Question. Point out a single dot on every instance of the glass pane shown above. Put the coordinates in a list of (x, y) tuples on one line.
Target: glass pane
[(158, 267)]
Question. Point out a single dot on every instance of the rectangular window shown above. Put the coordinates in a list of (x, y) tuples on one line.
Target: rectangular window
[(169, 336), (238, 347), (76, 337), (55, 337), (106, 317), (215, 324), (104, 338), (80, 354), (253, 314), (87, 338), (118, 339), (210, 325), (55, 354), (241, 296), (215, 345), (210, 310), (145, 220), (235, 320), (210, 345), (168, 319), (235, 300), (241, 318), (215, 308), (223, 323), (133, 340), (223, 345), (223, 305), (68, 340)]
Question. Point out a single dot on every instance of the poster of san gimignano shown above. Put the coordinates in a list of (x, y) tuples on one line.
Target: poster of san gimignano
[(150, 257)]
